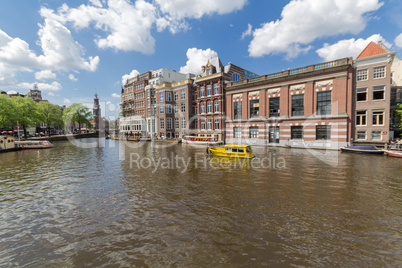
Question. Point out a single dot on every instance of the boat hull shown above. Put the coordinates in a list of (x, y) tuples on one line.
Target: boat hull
[(394, 153), (362, 150)]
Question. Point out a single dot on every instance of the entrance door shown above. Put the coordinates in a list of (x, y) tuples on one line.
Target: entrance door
[(273, 134)]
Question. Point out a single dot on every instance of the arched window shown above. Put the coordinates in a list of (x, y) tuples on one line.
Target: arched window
[(235, 77)]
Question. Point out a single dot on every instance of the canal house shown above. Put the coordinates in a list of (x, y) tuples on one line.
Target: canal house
[(307, 107)]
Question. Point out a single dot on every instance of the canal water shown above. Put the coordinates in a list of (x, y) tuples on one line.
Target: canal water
[(101, 203)]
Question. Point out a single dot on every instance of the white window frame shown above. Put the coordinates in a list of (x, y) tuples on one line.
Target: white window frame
[(357, 93), (360, 119), (376, 72), (377, 114), (365, 135), (366, 75), (374, 90), (380, 139)]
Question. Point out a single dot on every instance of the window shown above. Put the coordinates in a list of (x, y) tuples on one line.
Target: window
[(253, 132), (323, 132), (324, 103), (216, 89), (298, 105), (361, 135), (202, 89), (376, 135), (361, 94), (209, 107), (362, 75), (162, 123), (237, 110), (176, 122), (274, 107), (168, 96), (176, 108), (361, 117), (202, 123), (183, 107), (161, 97), (168, 123), (209, 90), (254, 108), (296, 132), (183, 94), (379, 72), (161, 109), (168, 108), (378, 92), (235, 77), (216, 123), (216, 106), (202, 108), (209, 123), (237, 132), (378, 118), (183, 122), (176, 95)]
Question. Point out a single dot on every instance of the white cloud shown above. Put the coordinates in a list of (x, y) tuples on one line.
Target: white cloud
[(348, 48), (127, 26), (54, 86), (179, 9), (12, 92), (128, 76), (398, 41), (45, 74), (66, 101), (72, 77), (115, 95), (248, 32), (50, 94), (197, 58), (303, 21)]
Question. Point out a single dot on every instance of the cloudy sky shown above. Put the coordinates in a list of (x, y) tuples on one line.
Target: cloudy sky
[(73, 48)]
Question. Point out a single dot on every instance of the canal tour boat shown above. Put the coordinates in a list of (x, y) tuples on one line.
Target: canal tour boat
[(201, 140), (362, 149), (34, 144), (233, 150)]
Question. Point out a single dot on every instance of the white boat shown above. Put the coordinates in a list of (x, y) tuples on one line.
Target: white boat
[(201, 140), (34, 144)]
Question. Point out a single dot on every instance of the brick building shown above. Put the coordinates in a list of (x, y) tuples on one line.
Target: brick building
[(309, 107), (373, 94), (209, 97)]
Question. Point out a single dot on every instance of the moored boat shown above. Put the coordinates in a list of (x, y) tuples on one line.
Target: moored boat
[(394, 153), (34, 144), (201, 140), (233, 151), (362, 149)]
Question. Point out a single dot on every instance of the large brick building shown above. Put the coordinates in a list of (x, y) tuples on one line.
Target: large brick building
[(309, 107)]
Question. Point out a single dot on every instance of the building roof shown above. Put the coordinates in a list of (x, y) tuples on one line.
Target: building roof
[(372, 49)]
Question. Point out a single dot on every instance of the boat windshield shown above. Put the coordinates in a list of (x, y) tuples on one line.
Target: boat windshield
[(248, 149)]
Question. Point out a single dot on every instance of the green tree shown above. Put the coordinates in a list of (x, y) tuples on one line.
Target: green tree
[(77, 113), (51, 115), (26, 112), (6, 111), (399, 113)]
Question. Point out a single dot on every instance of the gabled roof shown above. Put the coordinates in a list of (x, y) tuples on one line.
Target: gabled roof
[(372, 49)]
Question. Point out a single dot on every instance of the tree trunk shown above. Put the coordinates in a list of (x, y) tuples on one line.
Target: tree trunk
[(25, 131), (48, 131)]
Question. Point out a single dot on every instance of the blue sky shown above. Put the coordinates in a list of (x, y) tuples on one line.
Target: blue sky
[(73, 48)]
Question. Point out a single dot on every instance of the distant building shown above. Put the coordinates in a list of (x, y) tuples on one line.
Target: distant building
[(97, 120), (35, 94)]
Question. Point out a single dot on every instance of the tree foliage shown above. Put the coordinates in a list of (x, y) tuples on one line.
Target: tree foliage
[(6, 114), (399, 113), (51, 115), (26, 112), (77, 113)]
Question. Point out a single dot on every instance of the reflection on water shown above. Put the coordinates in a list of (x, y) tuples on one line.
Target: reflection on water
[(71, 206)]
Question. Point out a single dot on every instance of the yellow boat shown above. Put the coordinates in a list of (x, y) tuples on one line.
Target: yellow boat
[(233, 150)]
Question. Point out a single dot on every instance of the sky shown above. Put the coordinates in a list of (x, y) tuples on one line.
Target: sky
[(72, 49)]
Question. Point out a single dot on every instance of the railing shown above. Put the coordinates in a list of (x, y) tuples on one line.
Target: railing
[(254, 79), (298, 70), (325, 65), (275, 75)]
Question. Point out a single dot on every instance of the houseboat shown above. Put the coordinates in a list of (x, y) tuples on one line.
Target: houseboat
[(201, 140)]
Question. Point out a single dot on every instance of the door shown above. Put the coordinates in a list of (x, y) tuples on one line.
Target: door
[(273, 134)]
